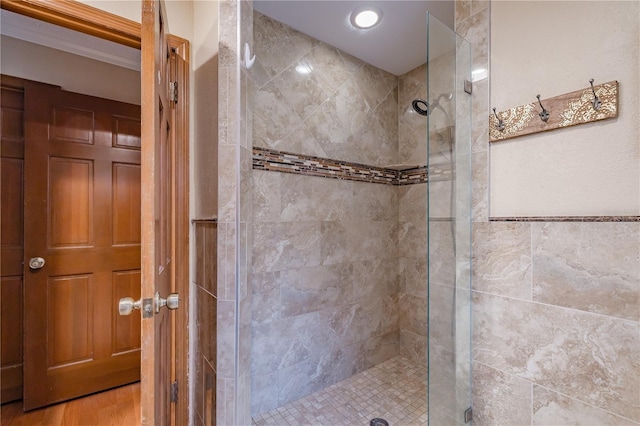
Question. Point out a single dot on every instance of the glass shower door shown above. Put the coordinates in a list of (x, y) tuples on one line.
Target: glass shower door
[(449, 225)]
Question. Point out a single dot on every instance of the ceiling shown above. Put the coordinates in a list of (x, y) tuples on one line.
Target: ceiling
[(42, 33), (397, 44)]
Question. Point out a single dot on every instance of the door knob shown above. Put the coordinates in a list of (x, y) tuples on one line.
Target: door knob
[(36, 263), (126, 305), (172, 301)]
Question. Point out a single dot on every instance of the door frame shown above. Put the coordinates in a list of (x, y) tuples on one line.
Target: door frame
[(89, 20)]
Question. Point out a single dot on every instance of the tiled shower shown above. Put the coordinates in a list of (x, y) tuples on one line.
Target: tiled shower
[(556, 337), (333, 259)]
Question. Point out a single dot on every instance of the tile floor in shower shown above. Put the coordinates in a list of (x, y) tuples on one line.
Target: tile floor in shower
[(394, 390)]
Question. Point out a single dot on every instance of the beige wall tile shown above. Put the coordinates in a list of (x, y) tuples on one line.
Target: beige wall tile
[(551, 408), (413, 346), (227, 183), (480, 187), (500, 398), (226, 255), (225, 395), (593, 267), (475, 30), (463, 10), (279, 246), (502, 258), (589, 357), (314, 288), (225, 337), (343, 109), (270, 36)]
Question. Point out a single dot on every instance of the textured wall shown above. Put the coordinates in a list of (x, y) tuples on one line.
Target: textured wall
[(204, 95), (325, 252), (325, 283), (233, 389), (556, 335), (343, 109), (412, 225), (412, 127), (556, 323), (591, 169)]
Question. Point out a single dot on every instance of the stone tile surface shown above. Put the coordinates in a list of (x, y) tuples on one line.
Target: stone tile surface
[(553, 408), (500, 398), (502, 258), (394, 390), (341, 108), (593, 267), (593, 358)]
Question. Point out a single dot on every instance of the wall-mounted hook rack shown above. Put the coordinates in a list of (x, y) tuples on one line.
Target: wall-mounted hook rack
[(582, 106)]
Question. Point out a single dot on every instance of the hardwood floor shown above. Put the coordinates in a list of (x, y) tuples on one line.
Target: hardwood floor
[(115, 407)]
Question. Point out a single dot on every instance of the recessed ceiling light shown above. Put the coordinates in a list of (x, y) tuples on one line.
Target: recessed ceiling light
[(365, 17)]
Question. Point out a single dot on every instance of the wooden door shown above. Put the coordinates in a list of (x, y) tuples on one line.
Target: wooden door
[(11, 239), (82, 216), (158, 151)]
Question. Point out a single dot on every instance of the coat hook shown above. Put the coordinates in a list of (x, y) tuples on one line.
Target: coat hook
[(544, 115), (500, 125), (596, 100)]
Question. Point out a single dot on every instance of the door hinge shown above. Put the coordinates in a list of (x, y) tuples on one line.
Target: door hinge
[(173, 91), (174, 391), (468, 415)]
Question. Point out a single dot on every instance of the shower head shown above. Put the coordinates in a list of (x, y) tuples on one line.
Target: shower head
[(422, 107)]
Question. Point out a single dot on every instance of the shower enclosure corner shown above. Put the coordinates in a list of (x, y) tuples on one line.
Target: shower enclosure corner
[(449, 225)]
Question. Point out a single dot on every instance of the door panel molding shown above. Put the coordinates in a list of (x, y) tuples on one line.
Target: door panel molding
[(68, 336)]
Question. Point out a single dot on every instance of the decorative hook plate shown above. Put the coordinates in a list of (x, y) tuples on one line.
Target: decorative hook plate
[(565, 110)]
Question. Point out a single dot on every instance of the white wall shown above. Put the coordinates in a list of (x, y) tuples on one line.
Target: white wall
[(205, 109), (196, 21), (180, 13), (130, 9), (551, 48), (72, 72)]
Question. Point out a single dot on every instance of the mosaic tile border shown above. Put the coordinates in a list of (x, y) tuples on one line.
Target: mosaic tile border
[(566, 219), (287, 162)]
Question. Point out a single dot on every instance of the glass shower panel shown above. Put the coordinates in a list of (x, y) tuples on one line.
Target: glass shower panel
[(449, 225)]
